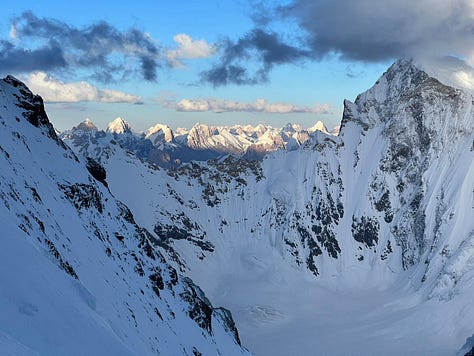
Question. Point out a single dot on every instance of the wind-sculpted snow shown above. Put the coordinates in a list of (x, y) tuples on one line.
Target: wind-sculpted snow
[(385, 206), (78, 275)]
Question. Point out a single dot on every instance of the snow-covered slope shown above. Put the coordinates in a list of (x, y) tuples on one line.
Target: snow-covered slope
[(78, 275), (366, 237)]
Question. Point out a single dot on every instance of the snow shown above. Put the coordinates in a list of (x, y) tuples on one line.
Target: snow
[(77, 277), (119, 126), (281, 310), (409, 292), (318, 126), (357, 244), (159, 133)]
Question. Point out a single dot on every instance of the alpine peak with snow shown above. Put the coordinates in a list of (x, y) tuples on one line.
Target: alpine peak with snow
[(118, 126), (356, 243)]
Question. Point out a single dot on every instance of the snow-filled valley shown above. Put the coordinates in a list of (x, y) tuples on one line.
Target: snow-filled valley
[(361, 243)]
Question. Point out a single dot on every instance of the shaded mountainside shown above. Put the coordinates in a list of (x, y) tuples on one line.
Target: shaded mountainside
[(390, 198), (78, 275)]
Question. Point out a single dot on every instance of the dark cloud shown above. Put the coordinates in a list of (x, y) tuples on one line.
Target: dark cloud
[(91, 47), (266, 48), (363, 30), (13, 59), (373, 30), (227, 73), (148, 66)]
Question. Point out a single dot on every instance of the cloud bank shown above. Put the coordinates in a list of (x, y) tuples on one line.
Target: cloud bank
[(264, 48), (363, 30), (61, 46), (45, 44), (259, 105), (56, 91), (373, 30)]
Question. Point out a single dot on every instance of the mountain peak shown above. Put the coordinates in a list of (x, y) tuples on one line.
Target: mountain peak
[(404, 84), (119, 126), (13, 81), (318, 126), (159, 133), (413, 113), (87, 125), (402, 75), (31, 105)]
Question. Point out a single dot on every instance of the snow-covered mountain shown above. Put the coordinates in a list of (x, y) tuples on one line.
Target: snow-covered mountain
[(164, 147), (365, 237), (119, 127), (78, 275)]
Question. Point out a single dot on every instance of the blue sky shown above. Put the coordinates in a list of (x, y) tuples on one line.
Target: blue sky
[(303, 80)]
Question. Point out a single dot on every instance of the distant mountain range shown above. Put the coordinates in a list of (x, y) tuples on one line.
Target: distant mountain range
[(167, 148)]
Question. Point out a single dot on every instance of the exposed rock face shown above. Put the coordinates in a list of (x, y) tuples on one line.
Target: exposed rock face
[(159, 134), (199, 135), (96, 170), (31, 106), (86, 125), (79, 275), (468, 348)]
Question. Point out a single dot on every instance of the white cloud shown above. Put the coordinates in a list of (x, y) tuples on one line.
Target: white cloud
[(465, 79), (259, 105), (56, 91), (13, 31), (188, 49), (450, 70)]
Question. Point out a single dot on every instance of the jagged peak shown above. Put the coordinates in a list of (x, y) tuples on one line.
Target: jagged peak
[(119, 126), (87, 125), (198, 126), (31, 105), (202, 129), (289, 127), (404, 81), (158, 127), (165, 130), (403, 76), (318, 126), (10, 79)]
